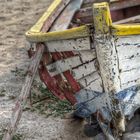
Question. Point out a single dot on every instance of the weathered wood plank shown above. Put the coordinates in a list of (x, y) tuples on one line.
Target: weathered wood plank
[(66, 16), (84, 70), (45, 22), (69, 45), (129, 64), (135, 19), (78, 68), (92, 82), (128, 47), (130, 84), (130, 76), (124, 4), (22, 99)]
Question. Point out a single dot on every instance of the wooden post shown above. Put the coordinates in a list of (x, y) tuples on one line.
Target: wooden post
[(17, 112), (108, 60)]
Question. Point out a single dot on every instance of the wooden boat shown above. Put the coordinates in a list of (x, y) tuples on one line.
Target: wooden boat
[(88, 55)]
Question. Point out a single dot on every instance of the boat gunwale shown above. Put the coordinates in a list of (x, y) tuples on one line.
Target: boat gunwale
[(35, 34)]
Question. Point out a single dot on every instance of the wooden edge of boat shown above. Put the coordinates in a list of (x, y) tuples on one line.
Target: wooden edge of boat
[(37, 34)]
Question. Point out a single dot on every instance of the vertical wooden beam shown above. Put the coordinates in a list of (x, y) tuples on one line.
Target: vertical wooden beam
[(108, 60)]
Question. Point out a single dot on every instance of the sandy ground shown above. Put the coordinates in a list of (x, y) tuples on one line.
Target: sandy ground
[(17, 16)]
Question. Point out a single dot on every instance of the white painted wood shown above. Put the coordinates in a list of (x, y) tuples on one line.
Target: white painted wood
[(130, 84), (129, 76), (66, 16), (92, 81), (69, 63), (86, 55), (128, 46), (85, 81), (96, 86), (69, 45), (108, 61), (129, 64), (84, 70)]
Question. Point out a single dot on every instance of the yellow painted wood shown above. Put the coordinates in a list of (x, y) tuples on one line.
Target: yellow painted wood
[(103, 12), (82, 31), (124, 30), (37, 27), (102, 18)]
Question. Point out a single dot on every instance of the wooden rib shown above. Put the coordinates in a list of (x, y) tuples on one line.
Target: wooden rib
[(69, 45), (59, 26)]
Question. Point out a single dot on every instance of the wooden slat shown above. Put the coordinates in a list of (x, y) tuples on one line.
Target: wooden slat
[(124, 4), (69, 45), (135, 19), (130, 84), (45, 22), (92, 81), (69, 63), (129, 64), (128, 47), (65, 18), (77, 72), (130, 76), (84, 70)]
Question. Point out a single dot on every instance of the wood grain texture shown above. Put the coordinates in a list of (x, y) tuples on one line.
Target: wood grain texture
[(77, 32), (108, 61), (66, 16), (128, 46), (92, 82), (105, 48), (69, 45)]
